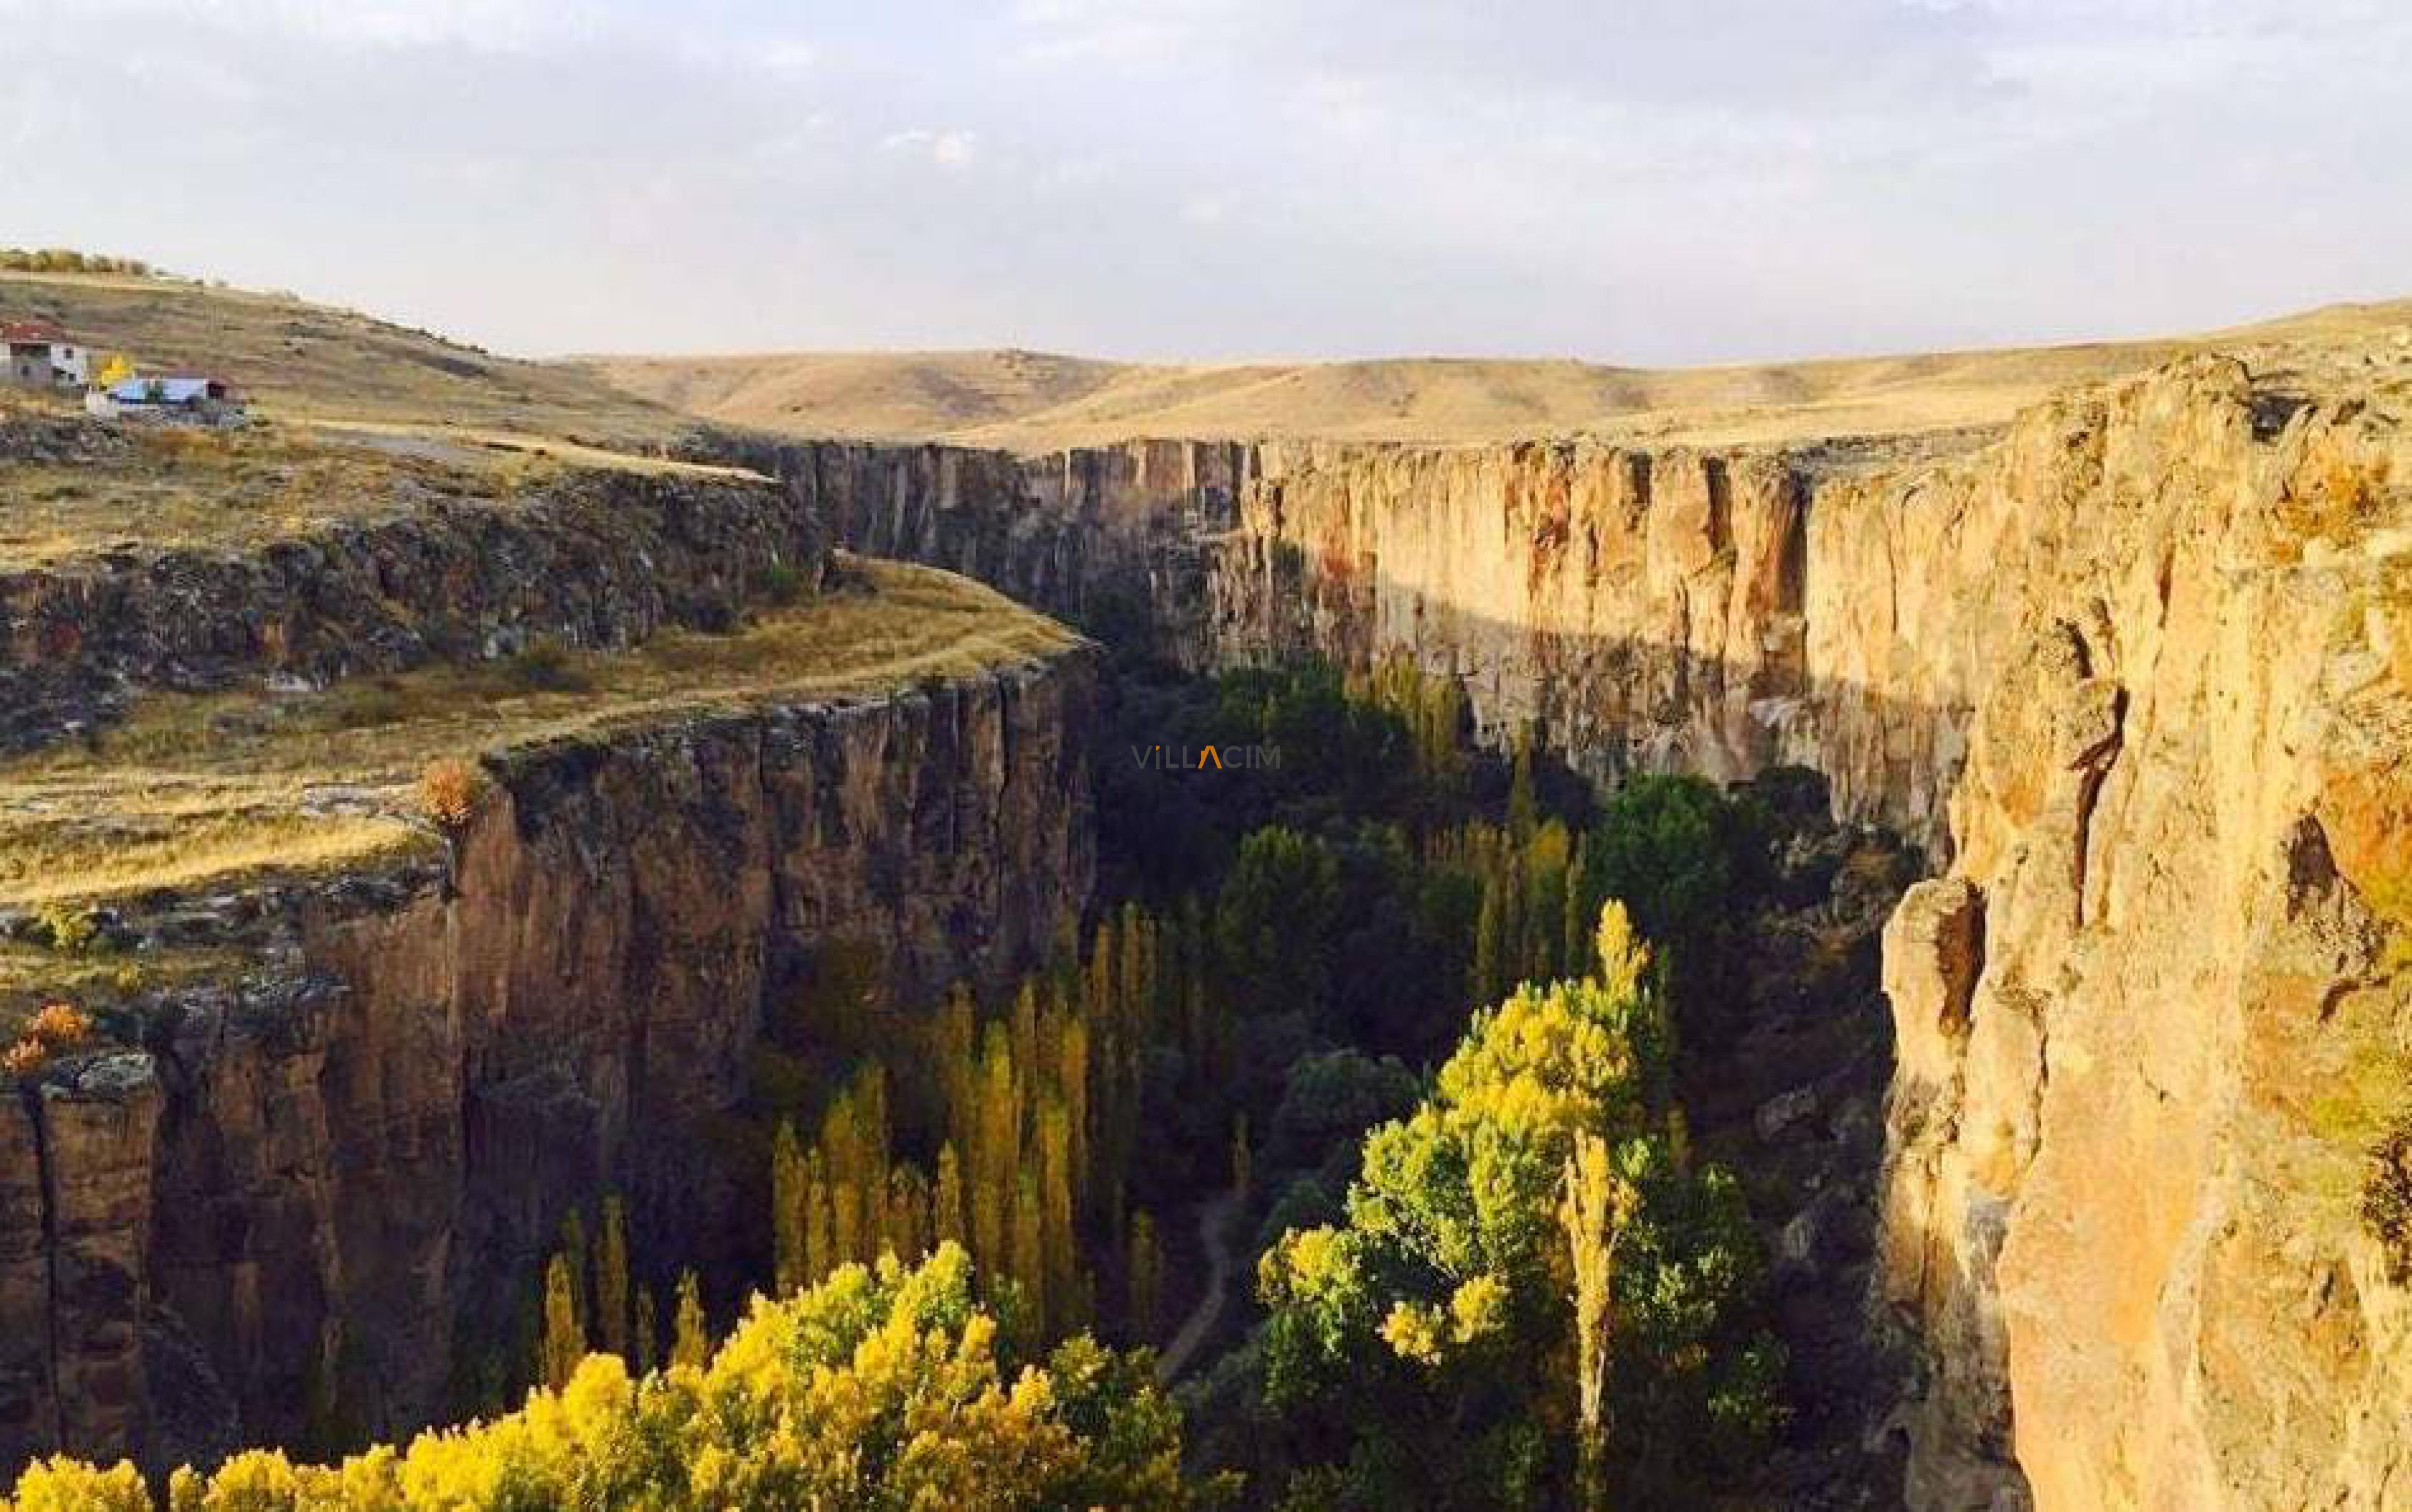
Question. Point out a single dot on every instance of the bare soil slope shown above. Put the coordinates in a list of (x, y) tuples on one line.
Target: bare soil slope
[(1032, 402)]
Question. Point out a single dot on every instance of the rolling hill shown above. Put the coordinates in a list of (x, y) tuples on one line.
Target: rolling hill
[(300, 361), (1036, 401)]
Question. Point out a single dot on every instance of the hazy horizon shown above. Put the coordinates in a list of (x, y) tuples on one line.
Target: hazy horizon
[(1221, 181)]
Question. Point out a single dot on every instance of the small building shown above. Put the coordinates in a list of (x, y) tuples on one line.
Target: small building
[(191, 396), (42, 356)]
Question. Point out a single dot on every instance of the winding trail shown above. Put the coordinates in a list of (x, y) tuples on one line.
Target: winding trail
[(1214, 1237)]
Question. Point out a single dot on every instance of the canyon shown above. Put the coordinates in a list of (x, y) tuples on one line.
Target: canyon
[(2133, 674), (317, 1195)]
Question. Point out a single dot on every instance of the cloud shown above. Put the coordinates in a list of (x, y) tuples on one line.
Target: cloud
[(494, 24), (1646, 180), (950, 149)]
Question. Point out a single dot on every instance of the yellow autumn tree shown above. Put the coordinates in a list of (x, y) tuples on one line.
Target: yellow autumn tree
[(884, 1386)]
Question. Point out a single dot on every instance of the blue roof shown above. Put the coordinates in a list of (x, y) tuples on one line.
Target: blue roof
[(171, 390)]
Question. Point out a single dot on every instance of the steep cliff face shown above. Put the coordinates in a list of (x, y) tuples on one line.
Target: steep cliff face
[(2138, 675), (1120, 539), (2148, 1020), (305, 1202)]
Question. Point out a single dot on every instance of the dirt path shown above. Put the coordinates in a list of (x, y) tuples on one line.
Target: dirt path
[(1214, 1237)]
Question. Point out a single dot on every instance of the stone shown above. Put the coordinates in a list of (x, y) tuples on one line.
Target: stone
[(1781, 1113)]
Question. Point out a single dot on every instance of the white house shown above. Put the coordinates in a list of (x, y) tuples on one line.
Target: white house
[(42, 355), (193, 397)]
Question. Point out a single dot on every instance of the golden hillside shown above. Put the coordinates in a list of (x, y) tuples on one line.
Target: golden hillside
[(299, 360), (1035, 402)]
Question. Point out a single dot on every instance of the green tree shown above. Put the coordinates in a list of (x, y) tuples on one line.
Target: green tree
[(1145, 1268), (611, 1277), (1422, 1332), (789, 1197), (564, 1333), (690, 1335), (1273, 921), (1690, 863)]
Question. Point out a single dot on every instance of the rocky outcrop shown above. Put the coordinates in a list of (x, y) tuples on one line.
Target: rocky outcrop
[(313, 1200), (2136, 676), (601, 559)]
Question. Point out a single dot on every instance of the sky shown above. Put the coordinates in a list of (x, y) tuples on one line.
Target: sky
[(1655, 181)]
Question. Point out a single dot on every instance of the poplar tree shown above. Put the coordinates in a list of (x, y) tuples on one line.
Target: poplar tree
[(820, 1248), (1060, 1260), (793, 1265), (846, 1223), (906, 1232), (611, 1277), (565, 1336), (1489, 948), (1071, 1047), (997, 1154), (1580, 909), (1144, 1269), (1597, 1205), (573, 1250), (947, 1202), (648, 1348), (1523, 809), (1029, 1261), (690, 1336)]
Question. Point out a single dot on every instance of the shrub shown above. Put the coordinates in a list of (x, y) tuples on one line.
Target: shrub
[(59, 1026), (782, 584), (545, 666), (72, 932), (448, 791)]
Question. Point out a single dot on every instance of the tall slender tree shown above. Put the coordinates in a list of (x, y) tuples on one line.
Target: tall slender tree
[(1598, 1202), (690, 1336), (611, 1277), (564, 1333)]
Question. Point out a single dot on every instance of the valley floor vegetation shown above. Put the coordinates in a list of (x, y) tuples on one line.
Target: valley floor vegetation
[(1412, 1014)]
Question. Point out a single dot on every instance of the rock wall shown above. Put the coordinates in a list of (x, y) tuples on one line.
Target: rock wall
[(305, 1204), (1121, 539), (2150, 1019), (2138, 675), (602, 559)]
